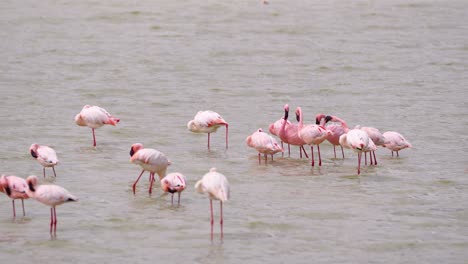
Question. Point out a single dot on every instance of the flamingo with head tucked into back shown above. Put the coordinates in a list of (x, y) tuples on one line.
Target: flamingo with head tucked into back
[(173, 183), (46, 156), (312, 135), (216, 186), (264, 144), (150, 160), (51, 195), (207, 122), (394, 141), (357, 140), (377, 138), (95, 117), (15, 188)]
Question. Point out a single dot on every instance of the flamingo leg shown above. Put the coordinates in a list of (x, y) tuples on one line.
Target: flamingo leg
[(226, 136), (305, 153), (312, 154), (211, 218), (94, 138), (22, 203), (359, 163), (43, 172), (259, 162), (134, 185), (51, 218), (342, 151), (398, 155), (300, 152), (365, 157), (289, 150), (375, 158), (320, 158), (55, 175), (208, 141), (221, 218), (334, 151), (151, 183), (282, 153), (392, 153), (178, 200), (14, 209), (266, 158)]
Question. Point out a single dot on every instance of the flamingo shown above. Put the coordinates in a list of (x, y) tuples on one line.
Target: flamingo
[(274, 129), (377, 138), (216, 186), (51, 195), (173, 182), (150, 160), (289, 133), (395, 142), (15, 188), (207, 122), (312, 135), (264, 144), (45, 155), (337, 131), (357, 140), (95, 117)]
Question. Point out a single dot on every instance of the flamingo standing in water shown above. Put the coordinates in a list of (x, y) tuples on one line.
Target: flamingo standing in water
[(357, 140), (377, 138), (264, 144), (394, 141), (150, 160), (45, 155), (289, 133), (337, 131), (173, 183), (95, 117), (216, 186), (312, 135), (51, 195), (15, 188), (207, 122), (274, 129)]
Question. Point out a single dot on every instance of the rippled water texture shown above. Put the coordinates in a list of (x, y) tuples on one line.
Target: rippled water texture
[(395, 65)]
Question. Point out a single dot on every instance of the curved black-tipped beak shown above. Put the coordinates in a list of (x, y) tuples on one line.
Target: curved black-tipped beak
[(131, 152), (286, 114), (328, 118)]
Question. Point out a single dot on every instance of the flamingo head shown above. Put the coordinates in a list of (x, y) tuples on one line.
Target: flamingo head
[(298, 113), (79, 120), (32, 182), (33, 150), (286, 111), (135, 148)]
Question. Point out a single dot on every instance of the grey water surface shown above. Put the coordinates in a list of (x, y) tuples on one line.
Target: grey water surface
[(394, 65)]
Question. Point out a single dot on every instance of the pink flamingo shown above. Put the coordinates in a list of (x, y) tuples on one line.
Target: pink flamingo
[(51, 195), (150, 160), (395, 142), (15, 188), (216, 186), (173, 183), (274, 129), (207, 122), (95, 117), (377, 139), (264, 144), (312, 135), (337, 131), (357, 140), (45, 155), (289, 133)]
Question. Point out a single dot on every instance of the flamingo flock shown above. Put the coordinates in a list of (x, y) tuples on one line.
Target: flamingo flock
[(214, 184)]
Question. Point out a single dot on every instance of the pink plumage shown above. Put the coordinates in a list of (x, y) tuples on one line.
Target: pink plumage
[(312, 134), (172, 183), (207, 122), (51, 195), (289, 132), (95, 117), (394, 141), (337, 130), (357, 140), (263, 143), (15, 188), (150, 160), (46, 156)]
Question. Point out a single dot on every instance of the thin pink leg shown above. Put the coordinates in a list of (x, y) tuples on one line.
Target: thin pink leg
[(334, 151), (305, 153), (55, 221), (320, 158), (365, 157), (51, 218), (151, 183), (221, 218), (134, 185), (392, 153), (14, 209), (342, 151), (55, 175), (226, 136), (178, 200), (94, 138), (282, 153), (43, 172), (266, 158), (375, 158), (289, 150), (22, 203), (211, 218), (398, 155), (300, 152), (359, 163), (312, 154), (259, 162)]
